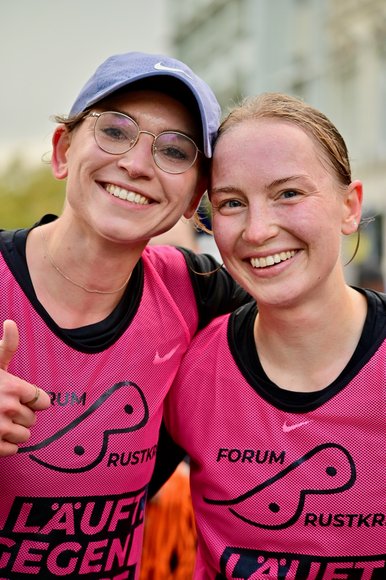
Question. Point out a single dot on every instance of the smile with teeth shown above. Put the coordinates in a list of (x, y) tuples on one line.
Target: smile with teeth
[(126, 195), (272, 260)]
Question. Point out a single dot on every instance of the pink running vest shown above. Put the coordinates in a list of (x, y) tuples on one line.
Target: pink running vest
[(72, 500), (281, 495)]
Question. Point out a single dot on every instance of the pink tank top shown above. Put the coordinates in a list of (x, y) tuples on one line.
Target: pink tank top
[(279, 494), (72, 500)]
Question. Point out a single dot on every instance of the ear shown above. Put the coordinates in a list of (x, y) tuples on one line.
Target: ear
[(201, 188), (60, 144), (352, 207)]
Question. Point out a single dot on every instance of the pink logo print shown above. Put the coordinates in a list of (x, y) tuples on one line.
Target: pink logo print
[(160, 359), (288, 428)]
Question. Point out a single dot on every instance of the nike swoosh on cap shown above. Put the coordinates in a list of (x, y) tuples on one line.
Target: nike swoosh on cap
[(160, 66)]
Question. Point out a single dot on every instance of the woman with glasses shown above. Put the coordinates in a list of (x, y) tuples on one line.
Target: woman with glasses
[(281, 404), (96, 321)]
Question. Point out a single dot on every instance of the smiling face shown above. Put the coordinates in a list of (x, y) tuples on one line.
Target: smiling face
[(127, 198), (279, 211)]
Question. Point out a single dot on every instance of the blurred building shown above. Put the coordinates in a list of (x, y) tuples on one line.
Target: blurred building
[(332, 54)]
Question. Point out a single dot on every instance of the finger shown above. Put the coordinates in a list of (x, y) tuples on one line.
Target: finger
[(26, 417), (16, 434), (35, 398), (8, 343), (7, 449), (10, 440)]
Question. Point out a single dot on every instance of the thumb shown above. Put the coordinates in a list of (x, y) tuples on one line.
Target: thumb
[(8, 343)]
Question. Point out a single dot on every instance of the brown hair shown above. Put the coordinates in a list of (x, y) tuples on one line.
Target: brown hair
[(70, 122)]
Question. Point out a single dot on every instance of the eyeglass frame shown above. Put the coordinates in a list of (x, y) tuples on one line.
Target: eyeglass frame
[(97, 115)]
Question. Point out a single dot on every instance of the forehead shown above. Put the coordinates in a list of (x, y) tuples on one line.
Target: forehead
[(265, 149), (269, 129), (263, 138), (160, 109)]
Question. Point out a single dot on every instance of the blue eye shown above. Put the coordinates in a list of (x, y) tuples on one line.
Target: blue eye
[(289, 194), (232, 203), (227, 206)]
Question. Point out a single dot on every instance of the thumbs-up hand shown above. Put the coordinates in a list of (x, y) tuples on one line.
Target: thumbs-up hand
[(9, 343), (18, 399)]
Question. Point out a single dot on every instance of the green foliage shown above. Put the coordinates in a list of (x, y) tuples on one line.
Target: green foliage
[(27, 193)]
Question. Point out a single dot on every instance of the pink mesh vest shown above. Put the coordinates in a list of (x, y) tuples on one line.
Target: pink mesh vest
[(72, 499), (280, 495)]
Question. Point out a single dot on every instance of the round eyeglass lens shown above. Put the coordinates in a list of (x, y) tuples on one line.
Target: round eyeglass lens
[(115, 133), (174, 152)]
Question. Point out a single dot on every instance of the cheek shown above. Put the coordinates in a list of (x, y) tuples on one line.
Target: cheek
[(181, 189), (223, 233)]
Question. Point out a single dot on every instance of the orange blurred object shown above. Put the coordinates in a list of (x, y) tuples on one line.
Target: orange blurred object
[(169, 548)]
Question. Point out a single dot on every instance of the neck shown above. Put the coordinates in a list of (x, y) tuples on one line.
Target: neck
[(77, 282), (93, 290), (306, 349)]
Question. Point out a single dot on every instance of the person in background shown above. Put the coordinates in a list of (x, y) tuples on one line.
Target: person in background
[(281, 404), (182, 234), (96, 320)]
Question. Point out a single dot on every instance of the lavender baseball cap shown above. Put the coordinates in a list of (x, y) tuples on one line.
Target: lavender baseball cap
[(122, 70)]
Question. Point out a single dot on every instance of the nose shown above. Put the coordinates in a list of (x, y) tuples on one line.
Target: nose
[(138, 161), (260, 226)]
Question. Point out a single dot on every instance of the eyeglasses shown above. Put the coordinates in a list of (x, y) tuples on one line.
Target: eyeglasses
[(116, 133)]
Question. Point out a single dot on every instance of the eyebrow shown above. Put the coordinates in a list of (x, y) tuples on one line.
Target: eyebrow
[(274, 183), (186, 133), (283, 180), (226, 189)]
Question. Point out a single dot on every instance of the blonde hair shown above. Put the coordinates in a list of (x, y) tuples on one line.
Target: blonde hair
[(296, 111), (291, 110)]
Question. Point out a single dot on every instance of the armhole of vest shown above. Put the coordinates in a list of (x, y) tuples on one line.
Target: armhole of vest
[(183, 294), (198, 265)]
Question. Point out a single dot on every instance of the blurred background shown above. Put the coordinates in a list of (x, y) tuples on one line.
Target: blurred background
[(332, 54)]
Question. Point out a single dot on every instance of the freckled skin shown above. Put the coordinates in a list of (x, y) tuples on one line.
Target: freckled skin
[(279, 196)]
